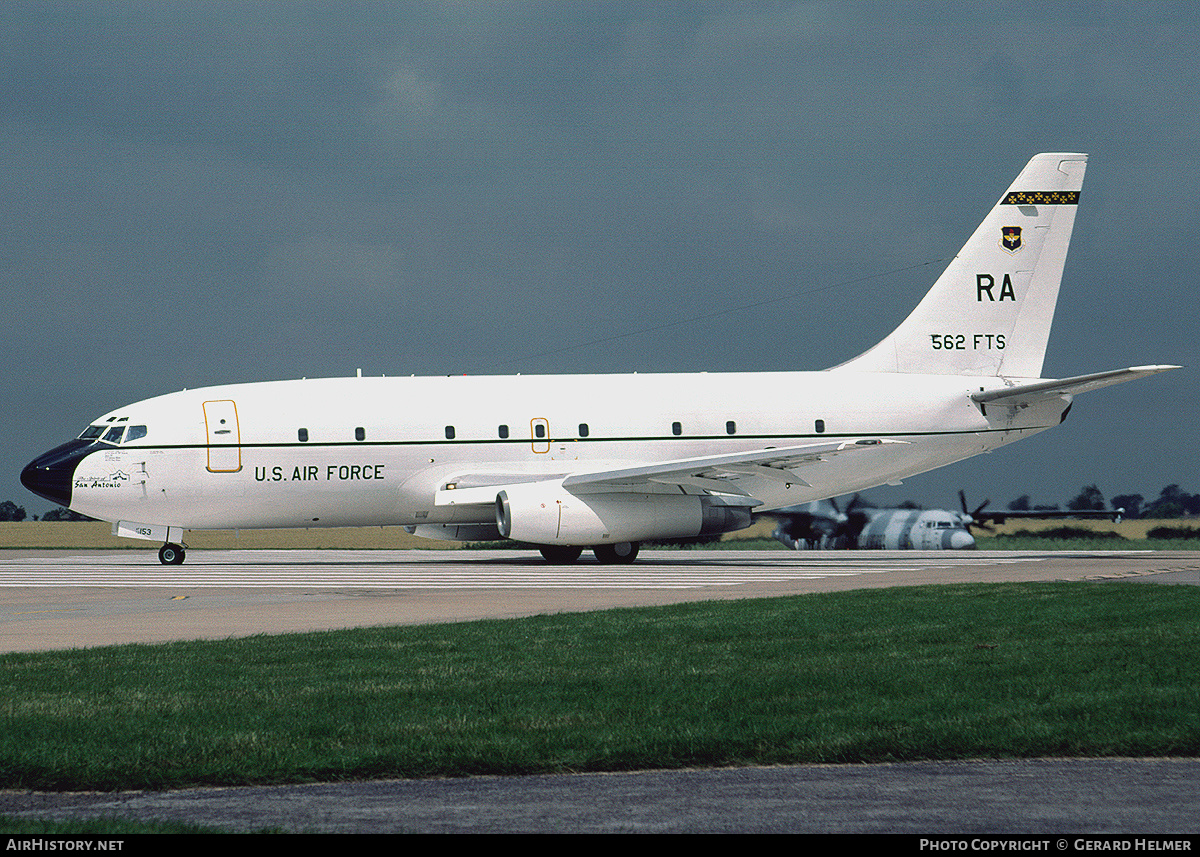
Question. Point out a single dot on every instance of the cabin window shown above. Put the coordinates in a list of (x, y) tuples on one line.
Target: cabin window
[(114, 434), (449, 432), (583, 429), (820, 426), (539, 429), (503, 431), (677, 428), (360, 433), (302, 435), (135, 433), (731, 427)]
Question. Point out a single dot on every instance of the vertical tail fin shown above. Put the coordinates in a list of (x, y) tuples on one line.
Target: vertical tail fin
[(990, 311)]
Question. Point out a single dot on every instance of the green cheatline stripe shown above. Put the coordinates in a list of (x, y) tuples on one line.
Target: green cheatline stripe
[(1041, 197), (526, 441)]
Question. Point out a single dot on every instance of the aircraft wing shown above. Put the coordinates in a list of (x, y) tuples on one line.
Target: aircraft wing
[(1049, 514), (732, 473), (1037, 390)]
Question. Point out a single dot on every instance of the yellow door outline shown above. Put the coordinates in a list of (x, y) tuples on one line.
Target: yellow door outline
[(224, 436)]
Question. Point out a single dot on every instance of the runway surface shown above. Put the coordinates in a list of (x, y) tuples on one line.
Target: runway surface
[(52, 599), (59, 599)]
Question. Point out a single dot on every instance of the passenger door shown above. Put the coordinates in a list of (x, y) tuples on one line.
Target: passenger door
[(224, 436)]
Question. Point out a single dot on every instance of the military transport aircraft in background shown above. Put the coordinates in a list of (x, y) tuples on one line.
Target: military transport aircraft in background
[(822, 525), (605, 461)]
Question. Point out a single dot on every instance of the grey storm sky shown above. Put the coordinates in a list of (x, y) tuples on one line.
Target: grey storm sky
[(200, 193)]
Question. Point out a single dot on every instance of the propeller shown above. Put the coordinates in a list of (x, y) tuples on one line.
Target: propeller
[(818, 522), (975, 518), (856, 501), (853, 521)]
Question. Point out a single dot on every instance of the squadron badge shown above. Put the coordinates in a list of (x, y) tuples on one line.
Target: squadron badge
[(1010, 238)]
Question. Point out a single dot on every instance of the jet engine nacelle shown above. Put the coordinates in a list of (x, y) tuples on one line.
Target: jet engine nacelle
[(547, 514)]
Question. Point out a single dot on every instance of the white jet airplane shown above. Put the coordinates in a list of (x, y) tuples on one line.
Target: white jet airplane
[(605, 461)]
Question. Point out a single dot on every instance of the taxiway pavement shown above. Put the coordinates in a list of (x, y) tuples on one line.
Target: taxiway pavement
[(59, 599), (1058, 798)]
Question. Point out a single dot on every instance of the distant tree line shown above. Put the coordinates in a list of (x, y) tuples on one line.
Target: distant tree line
[(10, 511), (1172, 502)]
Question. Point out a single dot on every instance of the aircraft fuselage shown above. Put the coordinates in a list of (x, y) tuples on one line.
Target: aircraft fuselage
[(375, 451)]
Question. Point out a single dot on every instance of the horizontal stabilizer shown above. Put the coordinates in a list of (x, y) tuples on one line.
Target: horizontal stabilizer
[(1039, 390)]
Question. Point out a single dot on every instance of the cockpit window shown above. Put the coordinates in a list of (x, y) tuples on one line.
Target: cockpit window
[(114, 434), (92, 432), (134, 433)]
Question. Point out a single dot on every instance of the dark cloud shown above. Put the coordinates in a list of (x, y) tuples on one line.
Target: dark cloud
[(198, 193)]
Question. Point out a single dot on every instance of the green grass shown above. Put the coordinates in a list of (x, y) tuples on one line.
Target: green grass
[(100, 826), (1034, 542), (939, 672)]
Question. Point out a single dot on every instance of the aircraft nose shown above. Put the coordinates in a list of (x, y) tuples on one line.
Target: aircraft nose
[(51, 474), (961, 540)]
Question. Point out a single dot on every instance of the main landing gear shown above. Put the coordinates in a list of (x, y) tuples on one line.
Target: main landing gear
[(561, 554), (170, 554), (621, 553)]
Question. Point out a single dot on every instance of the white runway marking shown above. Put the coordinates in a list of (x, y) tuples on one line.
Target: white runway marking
[(445, 570)]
